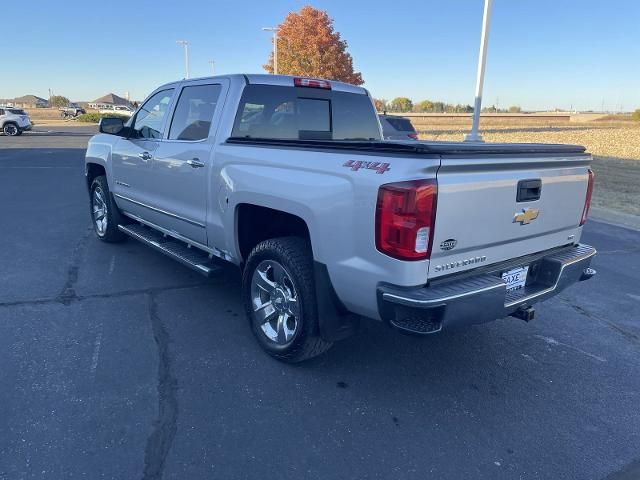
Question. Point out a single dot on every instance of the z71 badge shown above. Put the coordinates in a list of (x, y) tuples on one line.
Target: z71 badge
[(356, 165)]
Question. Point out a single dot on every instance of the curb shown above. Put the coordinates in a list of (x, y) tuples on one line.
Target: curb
[(619, 219)]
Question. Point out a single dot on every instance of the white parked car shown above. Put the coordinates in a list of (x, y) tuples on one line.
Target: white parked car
[(14, 121), (125, 110)]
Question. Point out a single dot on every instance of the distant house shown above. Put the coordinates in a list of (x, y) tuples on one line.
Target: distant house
[(108, 100), (30, 101)]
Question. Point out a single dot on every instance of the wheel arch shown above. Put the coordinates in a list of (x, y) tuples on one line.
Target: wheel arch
[(93, 170), (256, 223)]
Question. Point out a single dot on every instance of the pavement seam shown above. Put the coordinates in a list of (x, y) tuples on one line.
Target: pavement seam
[(165, 427)]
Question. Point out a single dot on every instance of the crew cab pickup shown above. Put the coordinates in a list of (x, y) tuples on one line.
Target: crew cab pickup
[(289, 179)]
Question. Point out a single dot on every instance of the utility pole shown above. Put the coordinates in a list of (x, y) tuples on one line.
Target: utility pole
[(482, 60), (213, 68), (275, 47), (185, 44)]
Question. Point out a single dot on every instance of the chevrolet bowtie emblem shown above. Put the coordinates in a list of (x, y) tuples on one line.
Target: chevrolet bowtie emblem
[(527, 215)]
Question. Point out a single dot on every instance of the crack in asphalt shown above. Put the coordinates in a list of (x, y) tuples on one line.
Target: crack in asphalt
[(165, 427), (630, 336), (68, 292), (70, 298), (630, 472)]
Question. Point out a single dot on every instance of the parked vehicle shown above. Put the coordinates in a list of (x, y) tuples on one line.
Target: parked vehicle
[(14, 121), (289, 179), (397, 128), (123, 110), (72, 111)]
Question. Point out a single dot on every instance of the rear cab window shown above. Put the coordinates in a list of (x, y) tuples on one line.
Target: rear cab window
[(300, 113)]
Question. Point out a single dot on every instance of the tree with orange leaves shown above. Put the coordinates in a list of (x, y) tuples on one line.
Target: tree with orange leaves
[(309, 46)]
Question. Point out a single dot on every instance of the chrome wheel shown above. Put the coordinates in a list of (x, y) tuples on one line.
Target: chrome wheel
[(10, 130), (99, 210), (275, 302)]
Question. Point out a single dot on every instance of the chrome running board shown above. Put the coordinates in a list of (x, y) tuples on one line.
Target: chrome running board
[(184, 253)]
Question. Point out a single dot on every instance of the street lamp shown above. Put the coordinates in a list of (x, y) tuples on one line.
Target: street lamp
[(482, 60), (213, 69), (275, 47), (185, 44)]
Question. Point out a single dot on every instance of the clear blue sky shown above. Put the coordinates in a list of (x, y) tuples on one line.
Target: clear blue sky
[(542, 53)]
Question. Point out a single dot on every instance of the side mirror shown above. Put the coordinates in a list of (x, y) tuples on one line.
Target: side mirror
[(111, 125)]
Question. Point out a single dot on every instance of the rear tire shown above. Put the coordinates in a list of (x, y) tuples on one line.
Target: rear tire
[(105, 215), (11, 130), (278, 290)]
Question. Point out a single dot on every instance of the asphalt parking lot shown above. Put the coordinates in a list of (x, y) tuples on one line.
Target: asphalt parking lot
[(117, 362)]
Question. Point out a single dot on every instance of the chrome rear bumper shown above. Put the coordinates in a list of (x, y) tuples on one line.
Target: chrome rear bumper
[(483, 297)]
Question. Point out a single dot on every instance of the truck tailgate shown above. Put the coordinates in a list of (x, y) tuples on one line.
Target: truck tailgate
[(482, 218)]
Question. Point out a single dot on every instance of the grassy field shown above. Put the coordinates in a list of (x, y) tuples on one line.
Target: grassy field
[(615, 146)]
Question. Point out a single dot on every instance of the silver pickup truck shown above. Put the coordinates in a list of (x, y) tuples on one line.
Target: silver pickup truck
[(288, 178)]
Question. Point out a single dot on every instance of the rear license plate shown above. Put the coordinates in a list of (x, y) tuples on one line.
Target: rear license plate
[(516, 278)]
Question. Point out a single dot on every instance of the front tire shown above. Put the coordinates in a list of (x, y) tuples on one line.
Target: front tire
[(279, 296), (105, 215)]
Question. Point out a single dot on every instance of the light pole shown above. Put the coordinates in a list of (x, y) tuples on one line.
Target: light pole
[(275, 47), (185, 44), (213, 68), (482, 60)]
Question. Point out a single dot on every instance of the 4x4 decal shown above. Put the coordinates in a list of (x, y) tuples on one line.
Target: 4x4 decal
[(356, 165)]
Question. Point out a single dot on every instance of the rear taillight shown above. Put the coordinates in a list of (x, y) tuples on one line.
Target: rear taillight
[(311, 83), (405, 217), (587, 200), (413, 135)]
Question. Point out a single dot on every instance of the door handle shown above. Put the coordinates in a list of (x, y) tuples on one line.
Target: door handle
[(146, 156), (529, 190), (195, 163)]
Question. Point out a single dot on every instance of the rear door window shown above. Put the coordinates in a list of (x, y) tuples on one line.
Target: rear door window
[(194, 112), (289, 113)]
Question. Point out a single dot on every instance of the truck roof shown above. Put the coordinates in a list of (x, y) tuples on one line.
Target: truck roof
[(282, 80)]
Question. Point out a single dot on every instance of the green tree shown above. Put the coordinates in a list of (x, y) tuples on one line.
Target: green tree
[(636, 115), (58, 101), (424, 106), (514, 109), (439, 107), (309, 46), (401, 104)]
